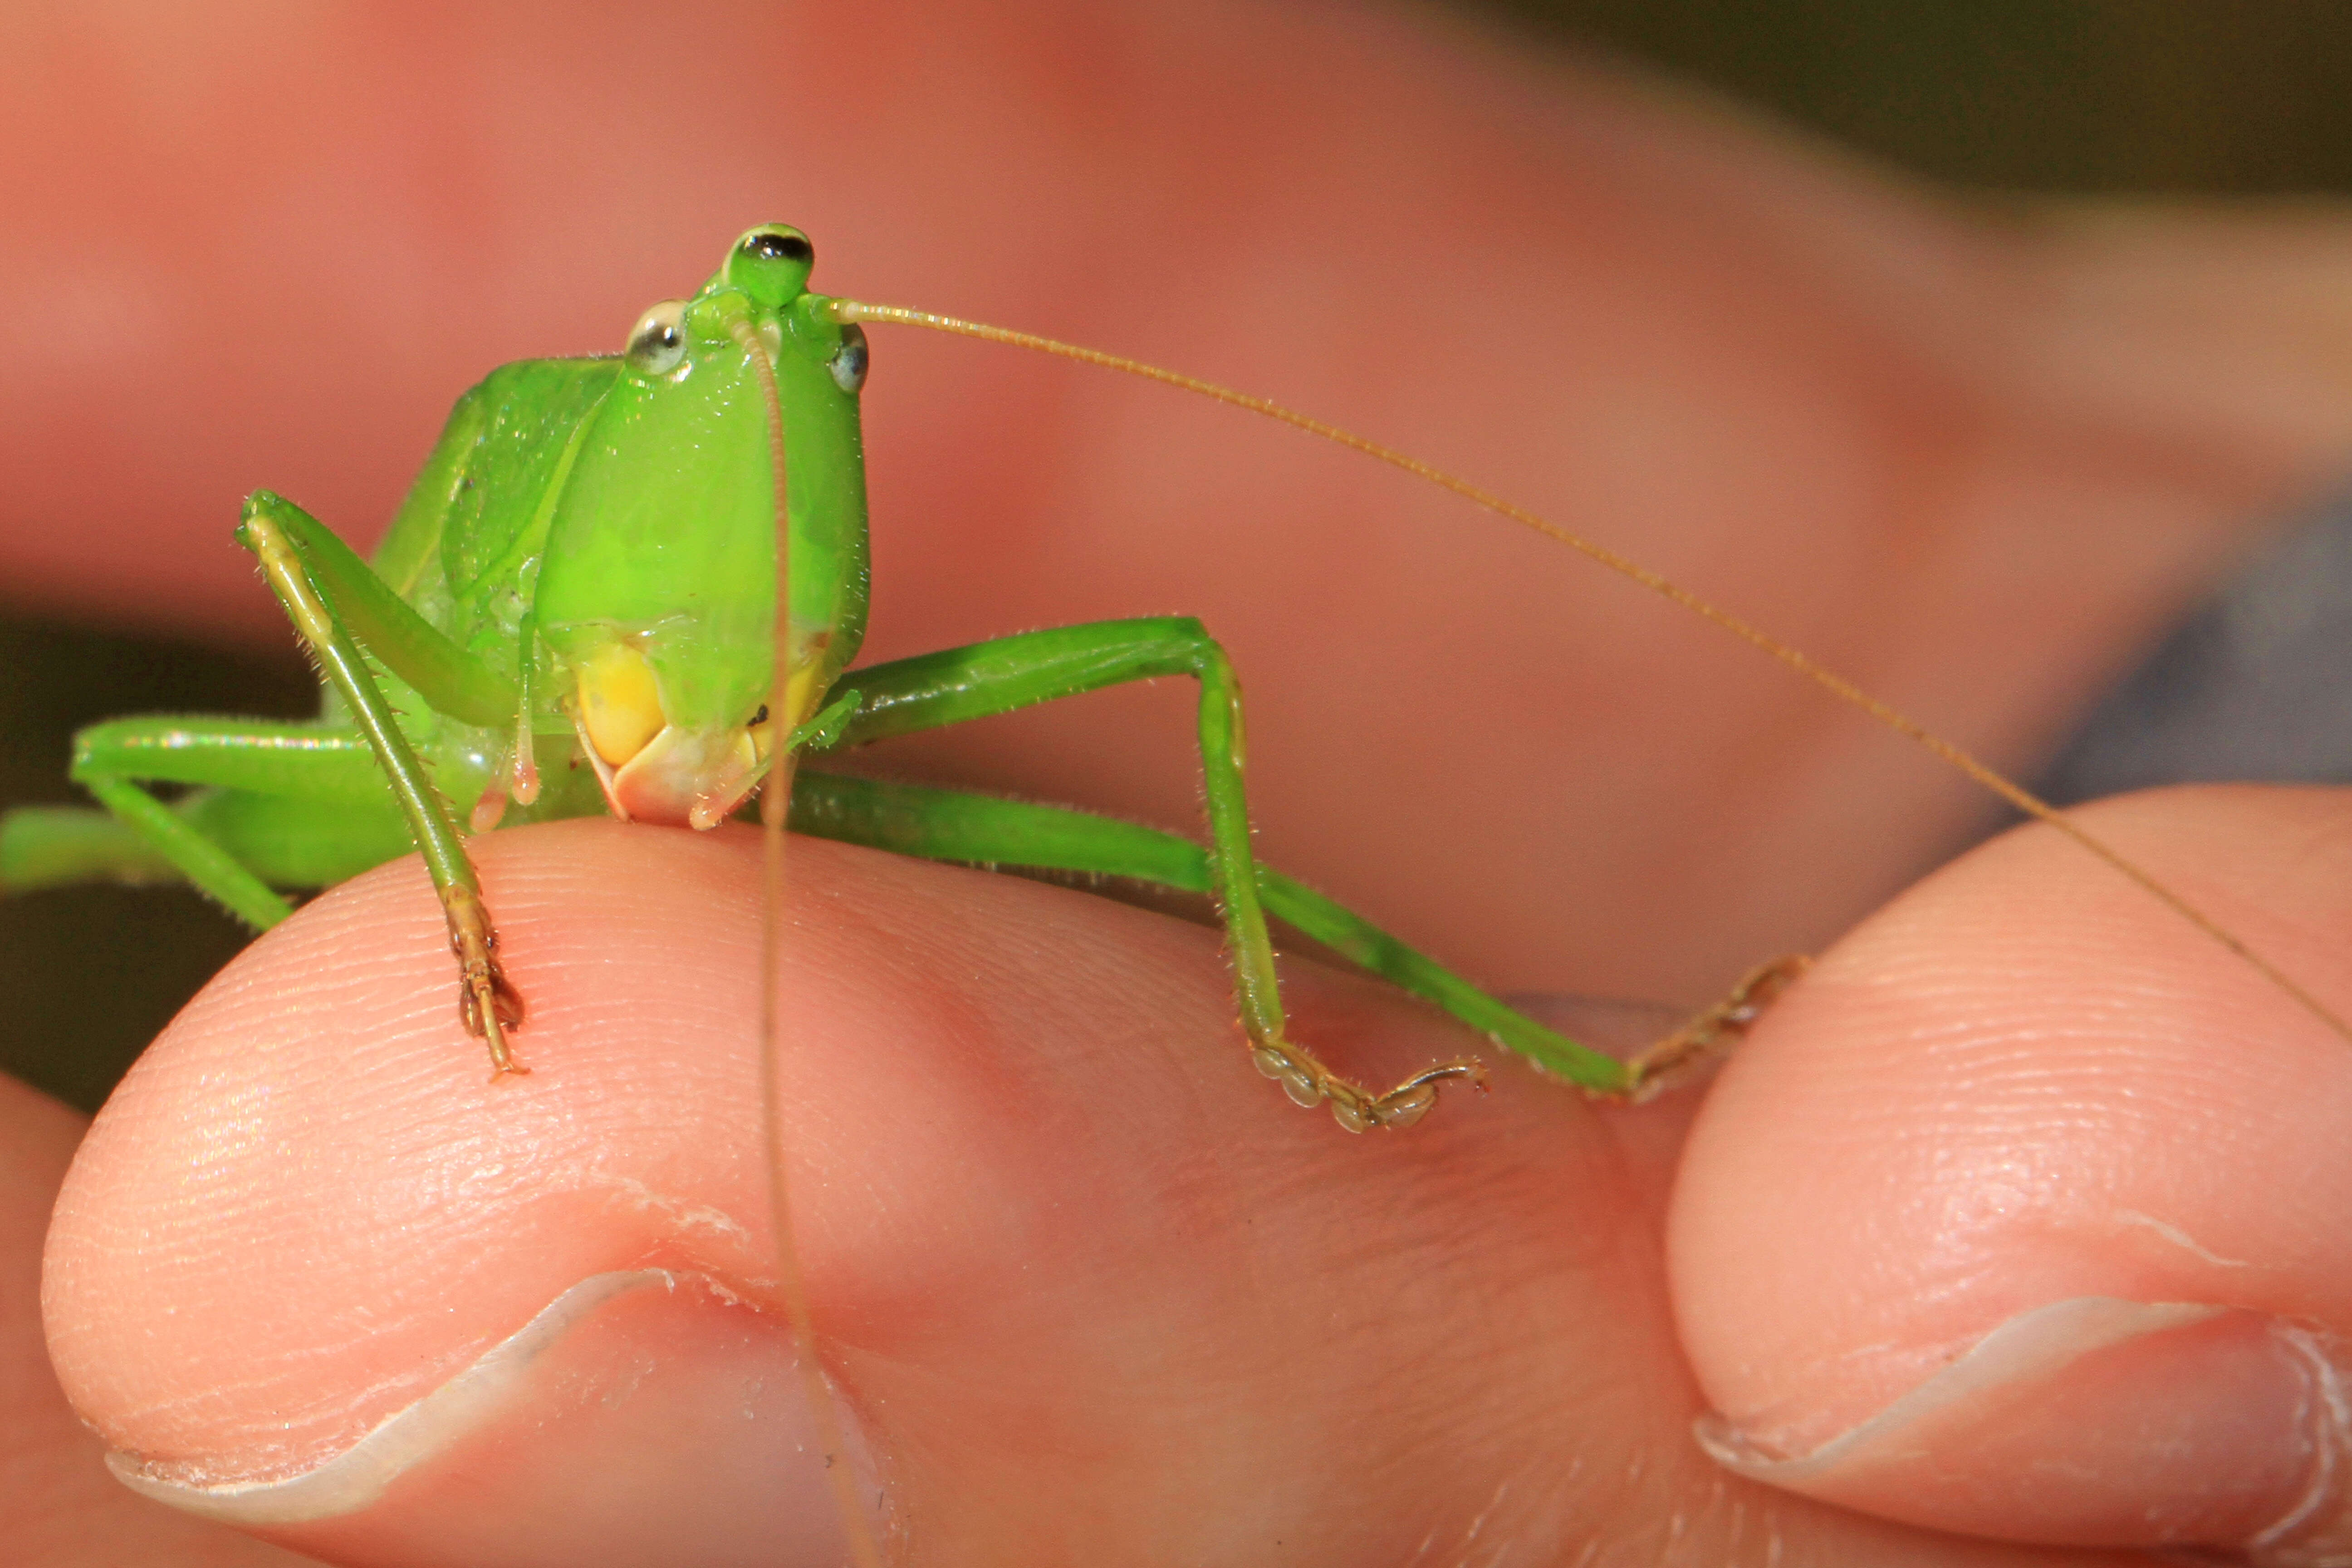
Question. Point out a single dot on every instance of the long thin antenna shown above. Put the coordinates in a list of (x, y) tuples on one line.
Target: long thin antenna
[(1829, 681), (776, 799)]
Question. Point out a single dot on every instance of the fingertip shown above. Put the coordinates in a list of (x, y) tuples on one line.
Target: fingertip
[(310, 1273), (2024, 1089), (1080, 1273), (1034, 1178)]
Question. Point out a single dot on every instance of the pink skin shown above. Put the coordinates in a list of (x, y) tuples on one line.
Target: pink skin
[(1094, 1292)]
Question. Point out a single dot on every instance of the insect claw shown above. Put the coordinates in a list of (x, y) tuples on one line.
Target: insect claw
[(488, 1003), (1403, 1107), (1354, 1107), (1715, 1030), (506, 1002), (1413, 1098), (504, 1065)]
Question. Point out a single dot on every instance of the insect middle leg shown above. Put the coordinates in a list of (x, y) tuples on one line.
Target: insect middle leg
[(956, 826), (998, 677)]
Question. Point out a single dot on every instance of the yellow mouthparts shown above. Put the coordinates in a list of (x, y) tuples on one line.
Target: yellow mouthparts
[(653, 771), (620, 702)]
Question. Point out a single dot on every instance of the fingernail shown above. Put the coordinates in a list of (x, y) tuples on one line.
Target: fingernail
[(642, 1415), (2098, 1421)]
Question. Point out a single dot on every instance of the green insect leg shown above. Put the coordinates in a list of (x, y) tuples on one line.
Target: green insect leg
[(975, 829), (297, 806), (64, 846), (283, 805), (212, 868), (488, 1003), (950, 825), (997, 676)]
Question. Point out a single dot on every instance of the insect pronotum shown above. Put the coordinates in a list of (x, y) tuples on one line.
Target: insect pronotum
[(576, 577)]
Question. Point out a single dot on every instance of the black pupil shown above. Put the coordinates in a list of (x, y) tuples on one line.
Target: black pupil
[(780, 248)]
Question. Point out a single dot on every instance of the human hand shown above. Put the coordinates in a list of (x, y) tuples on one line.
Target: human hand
[(1093, 1290)]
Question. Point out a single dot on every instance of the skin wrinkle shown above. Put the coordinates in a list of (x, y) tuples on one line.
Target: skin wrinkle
[(685, 1215)]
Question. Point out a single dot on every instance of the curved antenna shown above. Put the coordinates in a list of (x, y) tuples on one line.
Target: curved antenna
[(775, 798), (1829, 681)]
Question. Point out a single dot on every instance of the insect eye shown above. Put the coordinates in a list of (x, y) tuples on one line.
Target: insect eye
[(657, 341), (779, 244), (771, 264), (848, 362)]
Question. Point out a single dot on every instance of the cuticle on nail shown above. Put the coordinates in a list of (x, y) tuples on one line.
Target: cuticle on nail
[(2317, 1532), (350, 1479)]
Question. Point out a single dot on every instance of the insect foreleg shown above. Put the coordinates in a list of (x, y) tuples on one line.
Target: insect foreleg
[(488, 1003), (364, 603)]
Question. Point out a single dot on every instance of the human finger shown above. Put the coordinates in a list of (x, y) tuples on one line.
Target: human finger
[(2023, 1217), (58, 1506), (1090, 1290)]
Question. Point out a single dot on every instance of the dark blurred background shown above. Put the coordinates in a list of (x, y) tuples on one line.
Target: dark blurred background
[(2070, 96), (2134, 97)]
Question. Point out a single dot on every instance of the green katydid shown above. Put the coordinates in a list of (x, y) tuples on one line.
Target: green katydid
[(589, 572), (584, 573)]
